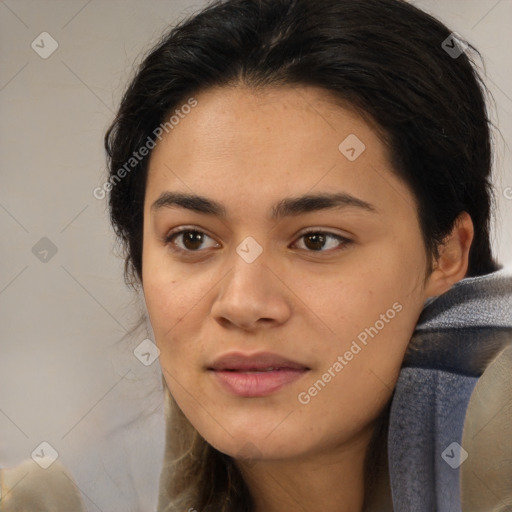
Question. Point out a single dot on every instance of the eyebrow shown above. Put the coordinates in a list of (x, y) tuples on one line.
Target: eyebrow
[(289, 206)]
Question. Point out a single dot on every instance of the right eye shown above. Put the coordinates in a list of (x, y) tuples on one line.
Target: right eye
[(192, 239)]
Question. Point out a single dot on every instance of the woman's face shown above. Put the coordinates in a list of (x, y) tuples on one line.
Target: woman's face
[(331, 311)]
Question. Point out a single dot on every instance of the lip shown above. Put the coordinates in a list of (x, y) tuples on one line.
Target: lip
[(255, 375)]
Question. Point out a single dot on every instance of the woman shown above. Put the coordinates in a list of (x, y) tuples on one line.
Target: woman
[(300, 186)]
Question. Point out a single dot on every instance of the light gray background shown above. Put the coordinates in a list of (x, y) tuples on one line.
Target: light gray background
[(67, 375)]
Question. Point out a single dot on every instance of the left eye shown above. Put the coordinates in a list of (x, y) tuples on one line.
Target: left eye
[(317, 239), (314, 240)]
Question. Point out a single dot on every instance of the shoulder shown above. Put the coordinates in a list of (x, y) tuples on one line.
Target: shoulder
[(486, 474), (28, 486)]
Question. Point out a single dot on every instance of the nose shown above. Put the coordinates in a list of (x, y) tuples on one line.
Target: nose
[(252, 295)]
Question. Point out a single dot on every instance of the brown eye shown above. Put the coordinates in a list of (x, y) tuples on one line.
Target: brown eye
[(316, 240), (192, 240)]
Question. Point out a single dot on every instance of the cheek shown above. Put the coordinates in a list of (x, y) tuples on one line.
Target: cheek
[(167, 302), (170, 291), (371, 310), (177, 307), (358, 296)]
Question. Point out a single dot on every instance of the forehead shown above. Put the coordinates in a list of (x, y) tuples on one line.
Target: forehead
[(271, 143), (303, 119)]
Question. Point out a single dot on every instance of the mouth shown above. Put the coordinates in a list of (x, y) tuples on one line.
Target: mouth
[(255, 375)]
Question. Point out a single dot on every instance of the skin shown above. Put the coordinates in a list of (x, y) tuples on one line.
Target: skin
[(305, 301)]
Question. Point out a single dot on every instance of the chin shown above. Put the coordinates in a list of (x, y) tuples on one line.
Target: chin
[(255, 444)]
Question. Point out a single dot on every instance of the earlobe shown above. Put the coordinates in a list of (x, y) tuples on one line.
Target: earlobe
[(452, 264)]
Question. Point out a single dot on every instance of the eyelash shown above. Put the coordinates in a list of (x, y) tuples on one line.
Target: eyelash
[(171, 236)]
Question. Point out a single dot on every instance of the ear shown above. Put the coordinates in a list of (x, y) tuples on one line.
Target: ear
[(452, 264)]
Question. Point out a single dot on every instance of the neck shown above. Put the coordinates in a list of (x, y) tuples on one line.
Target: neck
[(331, 481)]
